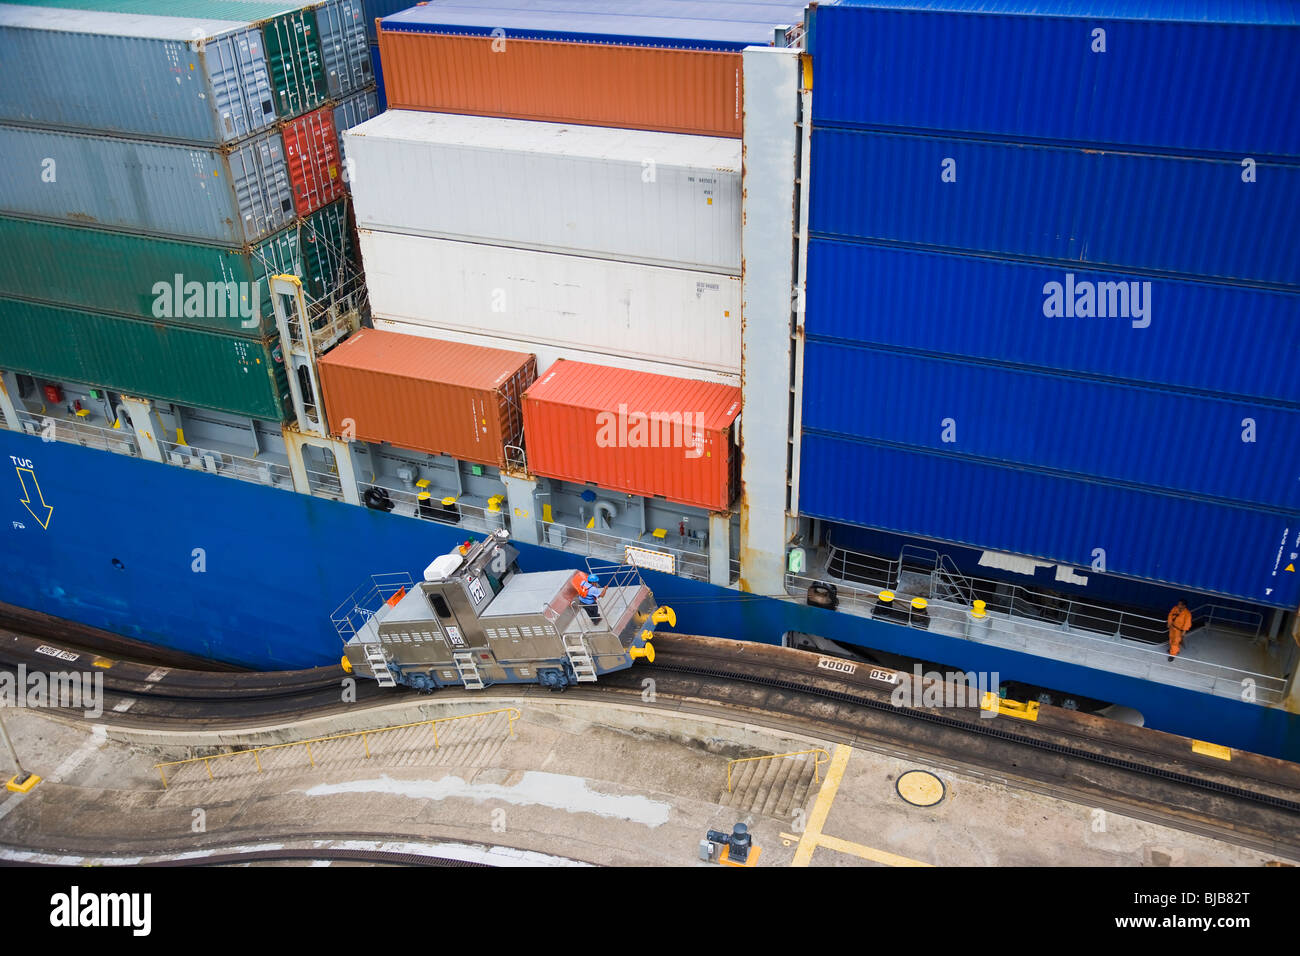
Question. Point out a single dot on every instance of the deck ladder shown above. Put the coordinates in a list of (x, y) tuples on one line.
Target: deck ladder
[(575, 648), (379, 665), (468, 670)]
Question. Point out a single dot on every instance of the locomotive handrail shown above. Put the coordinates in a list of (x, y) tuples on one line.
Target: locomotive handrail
[(512, 712)]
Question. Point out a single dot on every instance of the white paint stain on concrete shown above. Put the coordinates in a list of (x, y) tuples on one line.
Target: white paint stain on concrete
[(536, 788)]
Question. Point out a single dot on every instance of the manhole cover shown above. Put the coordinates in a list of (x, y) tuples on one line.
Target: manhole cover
[(920, 788)]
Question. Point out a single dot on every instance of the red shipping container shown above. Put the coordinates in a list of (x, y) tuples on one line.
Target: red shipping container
[(311, 150), (446, 398), (638, 432), (593, 84)]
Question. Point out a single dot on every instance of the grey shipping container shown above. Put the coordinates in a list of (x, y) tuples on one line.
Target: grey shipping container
[(345, 51), (354, 111), (235, 196), (165, 78)]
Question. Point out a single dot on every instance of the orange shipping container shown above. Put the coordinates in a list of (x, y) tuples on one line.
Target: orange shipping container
[(638, 432), (593, 84), (427, 395)]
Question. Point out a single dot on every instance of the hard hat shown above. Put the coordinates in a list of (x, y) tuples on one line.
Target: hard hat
[(593, 578)]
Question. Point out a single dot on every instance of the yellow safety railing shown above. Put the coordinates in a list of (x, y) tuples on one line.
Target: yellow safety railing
[(817, 763), (365, 736)]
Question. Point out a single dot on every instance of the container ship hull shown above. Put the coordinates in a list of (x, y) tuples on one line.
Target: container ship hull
[(238, 572)]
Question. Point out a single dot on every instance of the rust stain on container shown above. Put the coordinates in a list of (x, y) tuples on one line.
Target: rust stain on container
[(637, 432), (630, 87), (427, 395)]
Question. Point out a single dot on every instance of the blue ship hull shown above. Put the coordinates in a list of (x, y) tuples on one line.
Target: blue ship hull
[(247, 574)]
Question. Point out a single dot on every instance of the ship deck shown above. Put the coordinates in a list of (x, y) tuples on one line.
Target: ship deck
[(1215, 658)]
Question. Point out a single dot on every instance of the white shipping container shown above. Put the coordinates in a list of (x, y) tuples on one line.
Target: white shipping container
[(656, 198), (548, 354), (672, 316)]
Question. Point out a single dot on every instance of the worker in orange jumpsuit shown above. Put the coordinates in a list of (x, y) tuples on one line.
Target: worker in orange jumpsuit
[(1180, 622)]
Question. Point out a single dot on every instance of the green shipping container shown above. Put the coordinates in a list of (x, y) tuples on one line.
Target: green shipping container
[(181, 283), (327, 253), (190, 367), (293, 49)]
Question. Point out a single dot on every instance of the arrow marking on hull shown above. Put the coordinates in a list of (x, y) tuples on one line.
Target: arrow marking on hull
[(26, 499)]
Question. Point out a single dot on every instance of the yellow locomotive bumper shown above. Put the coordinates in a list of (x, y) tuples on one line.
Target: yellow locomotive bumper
[(646, 653), (664, 615)]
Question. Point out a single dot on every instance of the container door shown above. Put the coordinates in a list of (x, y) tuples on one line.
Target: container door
[(263, 192), (344, 48), (293, 53), (241, 84)]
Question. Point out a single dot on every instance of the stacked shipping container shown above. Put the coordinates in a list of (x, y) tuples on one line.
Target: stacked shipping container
[(148, 179), (615, 241), (1053, 311)]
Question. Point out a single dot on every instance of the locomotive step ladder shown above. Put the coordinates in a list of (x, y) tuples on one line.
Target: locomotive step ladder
[(379, 665), (579, 658), (468, 670)]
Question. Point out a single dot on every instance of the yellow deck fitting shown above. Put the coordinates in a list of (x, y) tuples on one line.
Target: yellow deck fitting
[(920, 604), (1010, 708), (422, 484), (660, 533), (347, 665), (449, 500), (725, 857), (13, 786), (886, 596), (977, 609), (646, 653), (1211, 750)]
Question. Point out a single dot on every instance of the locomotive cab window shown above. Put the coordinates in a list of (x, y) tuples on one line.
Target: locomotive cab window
[(439, 605)]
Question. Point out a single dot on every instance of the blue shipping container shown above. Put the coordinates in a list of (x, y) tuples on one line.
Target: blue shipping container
[(1220, 79), (1175, 215), (1214, 337), (1212, 548), (674, 24), (1125, 433)]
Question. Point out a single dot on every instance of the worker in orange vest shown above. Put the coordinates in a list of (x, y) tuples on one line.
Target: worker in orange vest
[(1180, 622)]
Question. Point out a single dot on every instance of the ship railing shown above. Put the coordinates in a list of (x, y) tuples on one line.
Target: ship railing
[(632, 551), (226, 464), (1113, 652), (325, 484), (368, 603), (104, 437), (516, 459), (947, 583)]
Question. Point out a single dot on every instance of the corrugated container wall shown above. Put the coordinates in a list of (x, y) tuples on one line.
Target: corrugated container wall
[(1130, 433), (1073, 205), (296, 62), (676, 91), (311, 150), (658, 198), (136, 276), (191, 367), (345, 50), (354, 111), (235, 197), (1164, 82), (548, 355), (1176, 540), (650, 435), (1226, 337), (439, 397), (328, 256), (656, 314), (134, 75)]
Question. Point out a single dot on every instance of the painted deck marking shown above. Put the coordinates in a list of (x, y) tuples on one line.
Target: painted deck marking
[(813, 837), (822, 806)]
